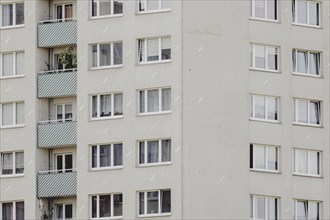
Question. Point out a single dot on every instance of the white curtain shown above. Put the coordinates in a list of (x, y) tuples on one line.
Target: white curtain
[(153, 100), (166, 99), (118, 53), (8, 64), (302, 111), (259, 107), (313, 163), (19, 162), (314, 210), (105, 155), (302, 209), (19, 63), (272, 158), (118, 104), (118, 154), (260, 207), (272, 108), (314, 63), (272, 208), (259, 157), (153, 49), (301, 12), (105, 7), (59, 211), (259, 56), (7, 15), (153, 152), (259, 8), (20, 113), (7, 114), (105, 108), (314, 13), (272, 9), (105, 55), (301, 60), (314, 113), (166, 150), (301, 161)]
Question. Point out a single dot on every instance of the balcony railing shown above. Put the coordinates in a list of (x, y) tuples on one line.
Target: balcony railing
[(57, 133), (57, 83), (57, 33), (52, 184)]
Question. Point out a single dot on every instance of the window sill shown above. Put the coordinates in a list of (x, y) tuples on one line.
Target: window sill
[(307, 75), (264, 120), (153, 62), (264, 19), (307, 25), (154, 164), (106, 16), (106, 218), (307, 175), (307, 125), (154, 215), (106, 118), (11, 176), (11, 77), (155, 113), (265, 171), (12, 126), (153, 11), (106, 168), (264, 70), (105, 67), (12, 27)]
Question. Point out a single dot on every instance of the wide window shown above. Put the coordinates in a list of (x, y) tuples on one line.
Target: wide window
[(107, 206), (64, 162), (154, 49), (13, 210), (12, 14), (107, 155), (153, 5), (306, 12), (264, 207), (307, 210), (264, 108), (155, 101), (12, 163), (264, 57), (12, 114), (264, 158), (63, 211), (155, 202), (63, 112), (106, 8), (264, 9), (307, 112), (306, 62), (155, 151), (307, 162), (12, 64), (107, 55), (107, 105)]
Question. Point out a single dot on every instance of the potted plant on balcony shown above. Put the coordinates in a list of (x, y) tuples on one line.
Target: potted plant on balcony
[(68, 58)]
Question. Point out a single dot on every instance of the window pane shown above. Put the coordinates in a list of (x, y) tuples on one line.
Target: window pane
[(68, 11), (94, 55), (314, 13), (59, 162), (20, 113), (105, 7), (166, 48), (166, 99), (272, 208), (259, 107), (19, 63), (105, 155), (272, 158), (166, 150), (141, 45), (166, 201), (19, 13), (141, 203), (94, 106), (301, 62), (272, 108), (314, 210), (152, 5), (118, 7), (301, 12), (118, 102), (153, 49), (94, 206), (118, 53), (7, 64), (272, 58), (153, 100), (7, 163), (7, 15), (94, 156), (105, 105), (7, 210), (259, 54), (313, 163), (314, 63), (19, 162), (105, 56), (94, 7), (118, 205), (68, 211), (301, 161), (105, 206), (259, 8), (7, 114), (314, 112), (153, 152), (141, 152), (152, 202), (142, 101), (302, 210), (59, 211), (68, 111), (260, 207), (118, 154), (259, 157), (302, 111), (272, 9)]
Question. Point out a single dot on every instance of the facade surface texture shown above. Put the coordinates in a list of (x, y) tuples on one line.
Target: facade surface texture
[(167, 109)]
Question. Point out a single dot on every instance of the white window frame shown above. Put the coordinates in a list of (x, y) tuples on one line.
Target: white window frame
[(14, 15), (266, 147), (63, 105), (63, 19), (14, 75), (111, 208), (14, 125), (295, 71), (252, 115), (295, 172), (253, 16), (98, 10), (159, 152), (64, 170), (253, 58), (63, 209), (295, 17), (160, 101), (144, 2), (160, 213), (112, 158), (112, 65), (13, 165), (99, 103), (145, 49), (319, 204), (296, 117), (14, 207), (253, 205)]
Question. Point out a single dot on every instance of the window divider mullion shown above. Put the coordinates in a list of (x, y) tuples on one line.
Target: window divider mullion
[(159, 151), (308, 62), (112, 156), (14, 113), (98, 105), (146, 101), (266, 12), (97, 206), (266, 57), (159, 201), (145, 202), (112, 104), (14, 14), (111, 205), (307, 10), (111, 54), (159, 48), (266, 207), (160, 4), (160, 100), (253, 56), (145, 152), (266, 157), (14, 161), (98, 156), (98, 55), (253, 8), (14, 64), (308, 112), (266, 107), (145, 50), (112, 5), (253, 106)]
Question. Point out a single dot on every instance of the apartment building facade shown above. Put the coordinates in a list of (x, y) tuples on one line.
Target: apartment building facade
[(164, 109)]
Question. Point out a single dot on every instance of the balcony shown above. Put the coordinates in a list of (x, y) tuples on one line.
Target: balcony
[(57, 33), (57, 83), (52, 184), (57, 134)]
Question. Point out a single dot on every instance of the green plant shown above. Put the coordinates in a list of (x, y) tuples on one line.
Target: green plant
[(68, 58)]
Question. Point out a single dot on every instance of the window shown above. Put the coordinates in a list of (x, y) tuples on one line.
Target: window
[(306, 62), (155, 202), (155, 101), (307, 162), (63, 12), (63, 211), (107, 105), (12, 14), (154, 49), (63, 162), (264, 207), (13, 210), (307, 112), (106, 8), (264, 57), (264, 158), (12, 64), (107, 55), (107, 155), (306, 12), (63, 112), (12, 114), (155, 151), (264, 108), (110, 206), (307, 210), (153, 5), (12, 163), (264, 9)]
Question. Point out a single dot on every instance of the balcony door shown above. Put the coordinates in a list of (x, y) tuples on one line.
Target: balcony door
[(63, 163), (63, 112), (63, 12)]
